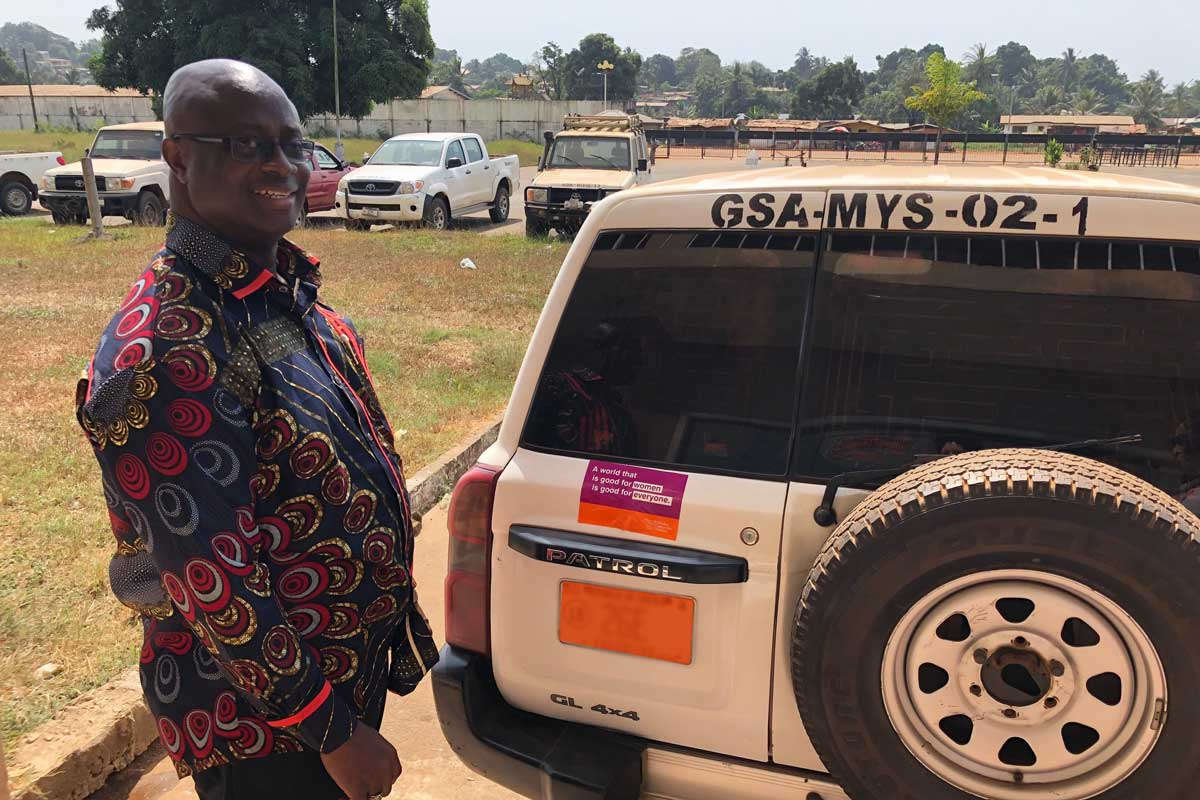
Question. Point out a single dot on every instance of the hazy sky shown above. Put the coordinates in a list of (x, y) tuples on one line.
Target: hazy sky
[(1162, 34)]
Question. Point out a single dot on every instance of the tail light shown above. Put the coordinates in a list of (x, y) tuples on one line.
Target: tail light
[(468, 576), (62, 162)]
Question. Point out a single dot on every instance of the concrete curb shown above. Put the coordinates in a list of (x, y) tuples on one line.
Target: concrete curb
[(103, 730)]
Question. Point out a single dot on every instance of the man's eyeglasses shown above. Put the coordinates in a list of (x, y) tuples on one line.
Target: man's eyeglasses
[(260, 149)]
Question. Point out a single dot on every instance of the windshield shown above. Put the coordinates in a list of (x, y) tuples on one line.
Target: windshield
[(143, 145), (409, 152), (600, 152)]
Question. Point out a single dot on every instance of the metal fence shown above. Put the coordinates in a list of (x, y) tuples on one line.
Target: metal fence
[(964, 148)]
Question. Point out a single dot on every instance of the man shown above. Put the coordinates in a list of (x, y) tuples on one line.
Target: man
[(261, 517)]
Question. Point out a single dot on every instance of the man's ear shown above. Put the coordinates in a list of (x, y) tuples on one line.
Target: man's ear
[(173, 155)]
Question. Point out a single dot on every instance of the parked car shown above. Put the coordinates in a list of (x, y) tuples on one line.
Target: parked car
[(429, 178), (131, 178), (20, 176), (836, 483), (591, 158), (327, 172)]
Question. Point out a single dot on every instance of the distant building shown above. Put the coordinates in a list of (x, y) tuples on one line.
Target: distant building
[(525, 87), (443, 93), (1078, 124)]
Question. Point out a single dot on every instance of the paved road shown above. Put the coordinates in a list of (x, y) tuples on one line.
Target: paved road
[(431, 770)]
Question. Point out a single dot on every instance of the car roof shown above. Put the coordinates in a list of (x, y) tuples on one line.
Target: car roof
[(931, 178), (135, 126), (431, 137)]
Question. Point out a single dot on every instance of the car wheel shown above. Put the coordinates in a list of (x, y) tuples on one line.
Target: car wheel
[(150, 210), (360, 225), (437, 214), (1005, 624), (535, 228), (500, 205), (60, 217), (15, 199)]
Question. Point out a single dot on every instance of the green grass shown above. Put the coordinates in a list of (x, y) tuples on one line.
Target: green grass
[(71, 145), (444, 344)]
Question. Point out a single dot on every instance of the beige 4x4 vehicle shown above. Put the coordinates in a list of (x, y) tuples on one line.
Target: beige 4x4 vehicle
[(589, 159), (836, 483)]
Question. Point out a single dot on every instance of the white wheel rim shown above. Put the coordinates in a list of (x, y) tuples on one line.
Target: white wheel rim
[(1043, 682), (503, 204)]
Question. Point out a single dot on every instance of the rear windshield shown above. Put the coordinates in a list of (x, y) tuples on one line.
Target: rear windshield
[(681, 349), (925, 345), (141, 145)]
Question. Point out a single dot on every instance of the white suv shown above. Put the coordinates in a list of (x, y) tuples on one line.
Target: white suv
[(790, 498)]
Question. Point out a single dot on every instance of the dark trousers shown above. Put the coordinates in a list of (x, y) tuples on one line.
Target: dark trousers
[(288, 776), (294, 776)]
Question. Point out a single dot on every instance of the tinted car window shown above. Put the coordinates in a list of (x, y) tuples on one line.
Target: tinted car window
[(455, 151), (474, 151), (913, 357), (681, 349)]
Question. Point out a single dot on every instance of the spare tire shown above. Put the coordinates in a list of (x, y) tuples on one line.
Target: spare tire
[(1006, 624)]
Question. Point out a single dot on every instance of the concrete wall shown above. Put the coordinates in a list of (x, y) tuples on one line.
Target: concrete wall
[(78, 113), (491, 119)]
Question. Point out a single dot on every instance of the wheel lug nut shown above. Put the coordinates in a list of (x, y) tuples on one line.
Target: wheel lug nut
[(1057, 669), (975, 690), (981, 655), (1021, 641), (1051, 702), (1010, 713)]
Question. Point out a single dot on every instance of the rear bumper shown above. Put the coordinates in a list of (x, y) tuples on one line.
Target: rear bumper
[(535, 756)]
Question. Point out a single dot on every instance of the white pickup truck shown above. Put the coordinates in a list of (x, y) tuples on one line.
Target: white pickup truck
[(20, 175), (131, 178), (429, 178)]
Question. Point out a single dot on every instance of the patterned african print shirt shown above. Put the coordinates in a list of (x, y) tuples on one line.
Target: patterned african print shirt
[(258, 503)]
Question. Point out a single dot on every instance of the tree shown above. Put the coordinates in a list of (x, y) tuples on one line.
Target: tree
[(1088, 101), (709, 91), (384, 46), (550, 64), (9, 72), (1068, 70), (1101, 73), (692, 61), (1181, 103), (947, 96), (659, 70), (1049, 100), (450, 73), (1146, 103), (738, 94), (832, 94), (582, 81), (978, 63)]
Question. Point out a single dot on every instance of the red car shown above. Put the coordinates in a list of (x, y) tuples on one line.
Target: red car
[(327, 170)]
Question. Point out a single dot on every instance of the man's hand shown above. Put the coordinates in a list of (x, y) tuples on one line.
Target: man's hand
[(365, 765)]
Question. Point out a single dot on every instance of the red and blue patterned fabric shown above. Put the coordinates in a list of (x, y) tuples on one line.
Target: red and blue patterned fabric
[(262, 522)]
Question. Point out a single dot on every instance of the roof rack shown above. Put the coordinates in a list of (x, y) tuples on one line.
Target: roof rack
[(602, 122)]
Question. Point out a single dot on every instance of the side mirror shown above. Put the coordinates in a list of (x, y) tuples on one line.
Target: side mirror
[(548, 136), (642, 166), (451, 163)]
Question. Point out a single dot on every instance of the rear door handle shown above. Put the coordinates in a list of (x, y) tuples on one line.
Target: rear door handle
[(468, 172), (486, 167)]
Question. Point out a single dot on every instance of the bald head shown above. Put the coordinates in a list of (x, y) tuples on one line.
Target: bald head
[(223, 118), (206, 88)]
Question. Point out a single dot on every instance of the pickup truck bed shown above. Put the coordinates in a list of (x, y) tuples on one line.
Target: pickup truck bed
[(20, 176)]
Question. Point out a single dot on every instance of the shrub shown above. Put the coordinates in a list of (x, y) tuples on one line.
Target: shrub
[(1054, 152)]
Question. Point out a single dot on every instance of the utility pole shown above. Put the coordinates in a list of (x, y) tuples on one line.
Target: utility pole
[(338, 148), (605, 67), (29, 83)]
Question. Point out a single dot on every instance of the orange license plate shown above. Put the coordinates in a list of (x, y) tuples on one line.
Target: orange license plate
[(644, 624)]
